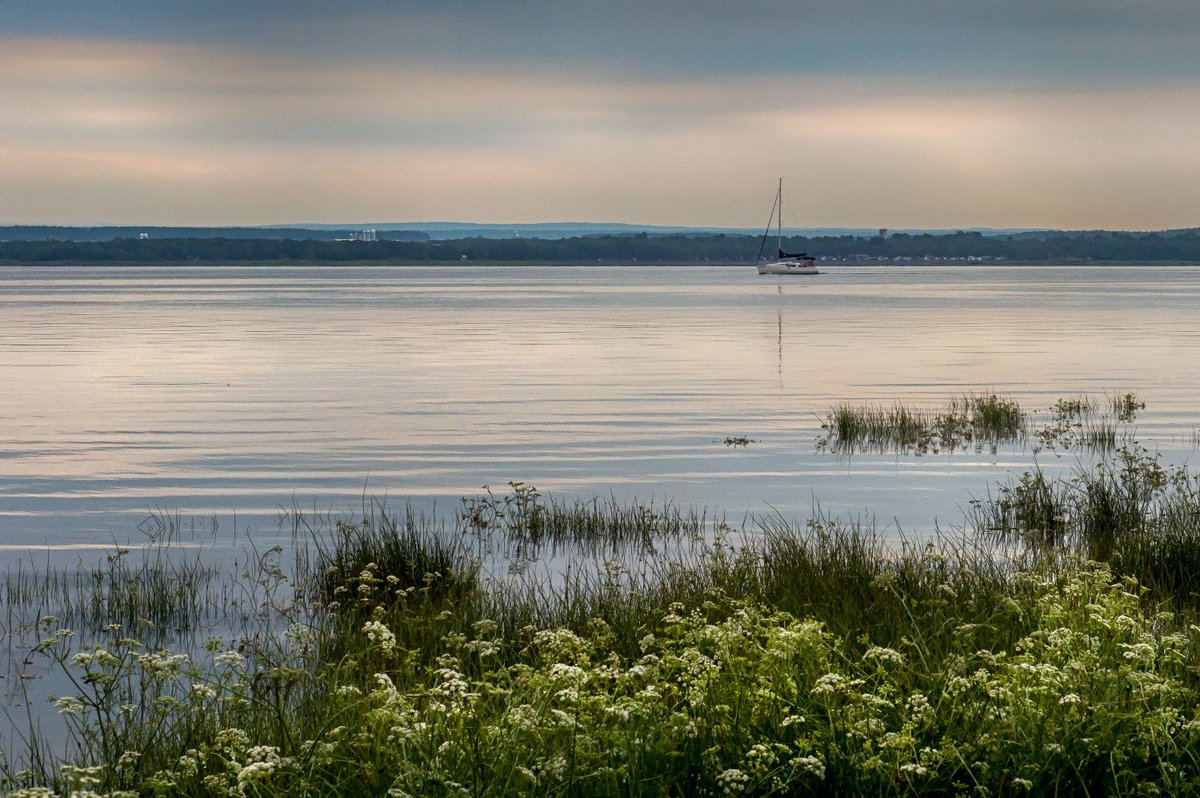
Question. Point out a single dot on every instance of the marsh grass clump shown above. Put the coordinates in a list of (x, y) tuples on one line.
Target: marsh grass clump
[(1032, 509), (528, 522), (1126, 406), (992, 415), (405, 551), (171, 593), (968, 420), (864, 584), (979, 422), (1100, 435), (1075, 407), (1078, 423), (852, 427), (1129, 510)]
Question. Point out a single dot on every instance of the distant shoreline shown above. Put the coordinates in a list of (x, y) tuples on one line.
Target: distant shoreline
[(745, 264), (641, 248)]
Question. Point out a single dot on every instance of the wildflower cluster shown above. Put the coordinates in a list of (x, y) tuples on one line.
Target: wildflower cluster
[(722, 698)]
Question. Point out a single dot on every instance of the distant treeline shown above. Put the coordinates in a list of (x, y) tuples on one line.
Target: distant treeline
[(28, 232), (1102, 246)]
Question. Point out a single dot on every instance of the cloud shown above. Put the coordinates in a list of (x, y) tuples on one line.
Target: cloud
[(1088, 40), (916, 114)]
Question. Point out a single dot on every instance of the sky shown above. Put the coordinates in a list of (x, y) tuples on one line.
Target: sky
[(1074, 114)]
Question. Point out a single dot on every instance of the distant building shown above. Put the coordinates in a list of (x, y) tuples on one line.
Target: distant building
[(883, 232), (143, 236)]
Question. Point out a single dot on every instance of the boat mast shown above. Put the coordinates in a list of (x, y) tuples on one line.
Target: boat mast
[(780, 220)]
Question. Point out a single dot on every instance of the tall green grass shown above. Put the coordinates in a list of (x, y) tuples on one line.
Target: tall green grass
[(1130, 511), (1049, 646)]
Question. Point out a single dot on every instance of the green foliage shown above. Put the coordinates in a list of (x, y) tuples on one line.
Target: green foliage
[(722, 696), (1050, 649)]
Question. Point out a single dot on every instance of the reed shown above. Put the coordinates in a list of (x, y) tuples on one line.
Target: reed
[(1130, 511), (170, 591), (1126, 406), (978, 421), (1075, 407), (967, 420)]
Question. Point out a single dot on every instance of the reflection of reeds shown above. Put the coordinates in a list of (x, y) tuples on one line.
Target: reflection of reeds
[(1099, 435)]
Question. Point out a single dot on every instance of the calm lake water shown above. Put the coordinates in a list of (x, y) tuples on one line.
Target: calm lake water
[(234, 391)]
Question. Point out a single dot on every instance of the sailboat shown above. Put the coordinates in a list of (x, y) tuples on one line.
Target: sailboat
[(785, 263)]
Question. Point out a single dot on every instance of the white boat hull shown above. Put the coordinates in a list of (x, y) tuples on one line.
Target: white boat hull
[(786, 267)]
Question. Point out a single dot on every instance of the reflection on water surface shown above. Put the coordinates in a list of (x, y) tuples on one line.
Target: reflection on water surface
[(223, 391)]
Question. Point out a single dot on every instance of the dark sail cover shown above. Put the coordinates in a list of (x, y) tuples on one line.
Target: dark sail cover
[(799, 255)]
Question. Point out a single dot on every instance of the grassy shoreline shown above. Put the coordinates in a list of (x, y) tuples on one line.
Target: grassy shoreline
[(1051, 645)]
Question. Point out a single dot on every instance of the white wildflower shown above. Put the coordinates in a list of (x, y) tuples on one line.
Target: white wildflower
[(262, 761), (732, 781), (202, 691), (809, 764), (828, 684), (882, 654), (380, 635)]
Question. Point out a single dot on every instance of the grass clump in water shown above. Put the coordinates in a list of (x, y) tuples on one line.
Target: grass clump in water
[(1126, 406), (978, 422), (1141, 517), (969, 420), (1077, 423)]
